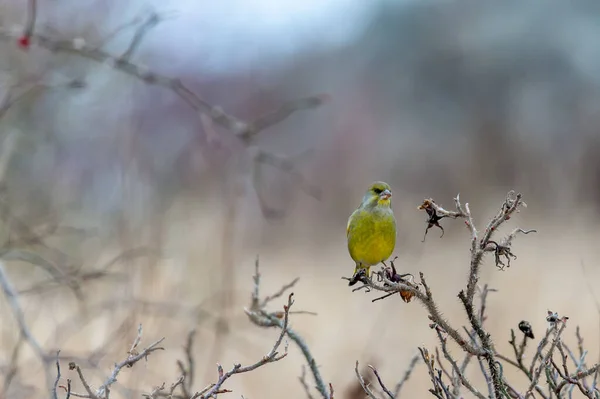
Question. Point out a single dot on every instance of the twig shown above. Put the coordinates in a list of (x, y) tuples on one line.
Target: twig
[(304, 384), (426, 299), (25, 38), (363, 384), (130, 361), (381, 384), (89, 392), (132, 358), (273, 356), (260, 317), (189, 371), (13, 301), (597, 304), (279, 293), (54, 393), (153, 20), (244, 130), (456, 369), (545, 360), (437, 389), (411, 367), (578, 376), (540, 347)]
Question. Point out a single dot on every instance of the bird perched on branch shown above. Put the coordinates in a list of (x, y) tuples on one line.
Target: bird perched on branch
[(371, 230)]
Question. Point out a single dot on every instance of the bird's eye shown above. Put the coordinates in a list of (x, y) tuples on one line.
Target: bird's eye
[(377, 190)]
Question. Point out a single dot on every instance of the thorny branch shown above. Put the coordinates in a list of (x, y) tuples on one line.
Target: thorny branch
[(480, 343)]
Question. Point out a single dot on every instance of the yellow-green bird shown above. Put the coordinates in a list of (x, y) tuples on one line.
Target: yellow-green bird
[(371, 229)]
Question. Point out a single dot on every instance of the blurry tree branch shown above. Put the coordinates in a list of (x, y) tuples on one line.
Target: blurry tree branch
[(15, 306), (244, 130)]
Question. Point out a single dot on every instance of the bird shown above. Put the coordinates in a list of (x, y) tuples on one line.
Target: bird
[(371, 230)]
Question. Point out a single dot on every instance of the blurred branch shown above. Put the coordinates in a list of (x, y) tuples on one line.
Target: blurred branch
[(54, 393), (189, 371), (150, 22), (25, 39), (17, 310), (304, 384), (244, 130), (407, 375), (396, 394)]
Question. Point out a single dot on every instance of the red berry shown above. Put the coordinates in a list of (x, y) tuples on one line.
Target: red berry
[(24, 42)]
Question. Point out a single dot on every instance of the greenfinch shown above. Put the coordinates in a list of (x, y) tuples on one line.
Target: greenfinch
[(371, 229)]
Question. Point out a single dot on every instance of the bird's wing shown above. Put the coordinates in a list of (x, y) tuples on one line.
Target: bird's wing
[(348, 226), (350, 220)]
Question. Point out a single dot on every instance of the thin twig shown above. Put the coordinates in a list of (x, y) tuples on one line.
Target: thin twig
[(271, 357), (381, 384), (363, 384), (304, 384), (456, 369), (409, 370), (15, 306), (260, 317), (54, 393)]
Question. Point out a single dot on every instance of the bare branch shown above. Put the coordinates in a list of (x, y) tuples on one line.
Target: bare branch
[(425, 298), (54, 393), (304, 384), (229, 122), (273, 356), (411, 367), (545, 359), (130, 361), (17, 310), (363, 384), (150, 22), (260, 317), (381, 384), (89, 392), (578, 376), (456, 369)]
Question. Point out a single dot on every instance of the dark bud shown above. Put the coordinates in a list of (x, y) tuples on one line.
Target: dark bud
[(525, 328), (552, 317)]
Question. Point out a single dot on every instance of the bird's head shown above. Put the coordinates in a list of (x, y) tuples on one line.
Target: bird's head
[(378, 194)]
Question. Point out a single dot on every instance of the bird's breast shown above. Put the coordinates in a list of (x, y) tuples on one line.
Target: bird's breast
[(372, 236)]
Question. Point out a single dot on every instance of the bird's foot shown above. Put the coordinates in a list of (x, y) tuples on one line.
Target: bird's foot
[(360, 275)]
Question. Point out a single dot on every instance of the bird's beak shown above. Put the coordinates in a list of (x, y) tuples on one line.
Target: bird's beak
[(385, 195)]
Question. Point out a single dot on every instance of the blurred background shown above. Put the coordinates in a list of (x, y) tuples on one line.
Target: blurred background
[(121, 186)]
